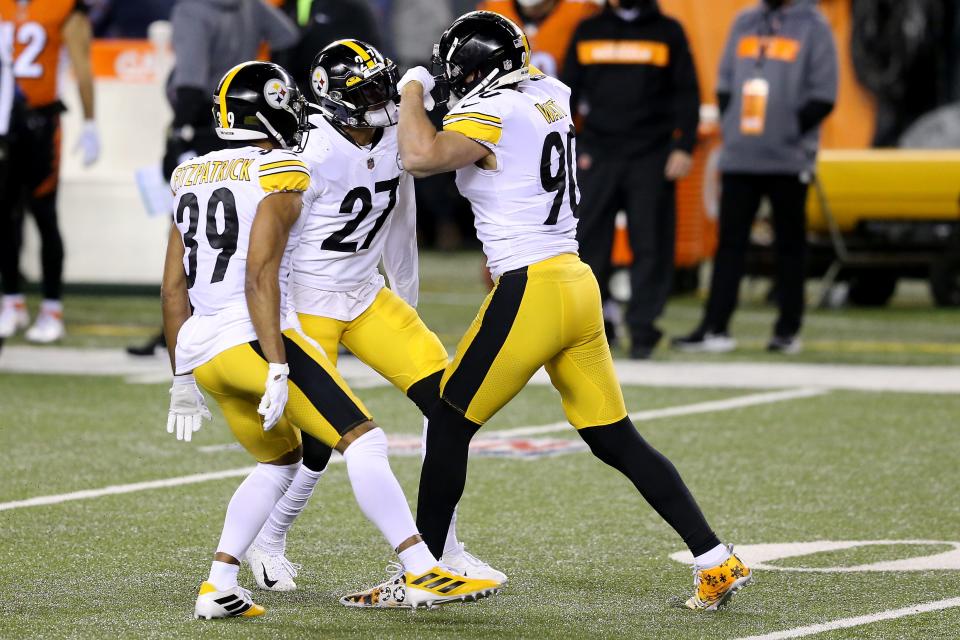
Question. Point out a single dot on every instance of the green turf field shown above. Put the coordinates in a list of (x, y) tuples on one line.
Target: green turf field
[(585, 555)]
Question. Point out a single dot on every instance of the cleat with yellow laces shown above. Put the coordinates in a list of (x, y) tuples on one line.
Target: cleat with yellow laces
[(231, 603), (713, 587), (428, 590)]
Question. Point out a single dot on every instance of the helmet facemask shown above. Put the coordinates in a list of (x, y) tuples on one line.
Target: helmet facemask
[(370, 103)]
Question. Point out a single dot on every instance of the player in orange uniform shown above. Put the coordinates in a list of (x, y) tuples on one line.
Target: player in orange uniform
[(549, 25), (32, 34)]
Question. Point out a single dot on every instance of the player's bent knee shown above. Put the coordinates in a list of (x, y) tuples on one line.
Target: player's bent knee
[(611, 442), (354, 434), (372, 442), (292, 457)]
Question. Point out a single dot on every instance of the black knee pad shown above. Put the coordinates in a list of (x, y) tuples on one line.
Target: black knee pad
[(316, 455), (426, 392)]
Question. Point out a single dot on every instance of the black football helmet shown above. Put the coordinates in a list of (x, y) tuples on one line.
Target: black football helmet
[(260, 101), (481, 51), (355, 85)]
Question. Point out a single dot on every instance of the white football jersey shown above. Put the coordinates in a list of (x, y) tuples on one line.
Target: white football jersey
[(359, 199), (525, 210), (216, 200)]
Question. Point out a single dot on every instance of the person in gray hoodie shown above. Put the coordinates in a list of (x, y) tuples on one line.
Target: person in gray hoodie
[(778, 81)]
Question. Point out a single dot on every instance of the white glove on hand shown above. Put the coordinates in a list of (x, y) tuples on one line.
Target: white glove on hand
[(275, 397), (88, 143), (187, 408), (425, 78)]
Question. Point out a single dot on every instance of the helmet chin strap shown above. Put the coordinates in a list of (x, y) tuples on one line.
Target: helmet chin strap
[(273, 132)]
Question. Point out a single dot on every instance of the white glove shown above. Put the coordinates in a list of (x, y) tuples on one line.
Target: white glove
[(275, 397), (187, 407), (425, 78), (88, 143)]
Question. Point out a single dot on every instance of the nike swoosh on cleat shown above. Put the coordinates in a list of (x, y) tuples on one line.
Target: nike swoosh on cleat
[(266, 579)]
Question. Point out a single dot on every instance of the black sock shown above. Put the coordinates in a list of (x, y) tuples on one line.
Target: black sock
[(444, 473), (621, 447)]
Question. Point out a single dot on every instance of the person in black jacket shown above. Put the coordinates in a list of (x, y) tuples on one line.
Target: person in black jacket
[(632, 77)]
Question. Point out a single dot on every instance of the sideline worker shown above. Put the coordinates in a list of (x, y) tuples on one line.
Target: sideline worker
[(778, 81), (631, 72)]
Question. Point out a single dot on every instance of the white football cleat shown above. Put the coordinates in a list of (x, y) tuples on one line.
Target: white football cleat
[(48, 327), (428, 590), (272, 571), (467, 564), (13, 317), (232, 603)]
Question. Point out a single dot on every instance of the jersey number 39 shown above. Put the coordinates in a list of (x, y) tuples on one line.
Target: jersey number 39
[(225, 241)]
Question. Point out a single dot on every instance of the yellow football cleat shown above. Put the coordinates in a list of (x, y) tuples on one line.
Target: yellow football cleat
[(713, 587), (231, 603), (429, 590)]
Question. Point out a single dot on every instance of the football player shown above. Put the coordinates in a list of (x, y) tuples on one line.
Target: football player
[(511, 141), (34, 35), (237, 223), (359, 208)]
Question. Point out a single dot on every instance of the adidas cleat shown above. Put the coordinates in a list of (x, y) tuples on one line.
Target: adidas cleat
[(272, 571), (466, 564), (428, 590), (713, 587), (232, 603)]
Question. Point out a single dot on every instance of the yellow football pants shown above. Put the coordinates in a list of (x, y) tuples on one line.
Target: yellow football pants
[(389, 336), (548, 314), (320, 402)]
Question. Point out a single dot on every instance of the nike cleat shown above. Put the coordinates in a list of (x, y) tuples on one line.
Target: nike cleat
[(466, 564), (232, 603), (406, 590), (13, 316), (713, 587), (272, 571)]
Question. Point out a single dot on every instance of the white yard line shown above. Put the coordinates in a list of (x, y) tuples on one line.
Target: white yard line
[(858, 621), (683, 410), (712, 406)]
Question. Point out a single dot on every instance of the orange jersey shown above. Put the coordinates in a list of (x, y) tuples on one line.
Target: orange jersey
[(33, 31), (550, 39)]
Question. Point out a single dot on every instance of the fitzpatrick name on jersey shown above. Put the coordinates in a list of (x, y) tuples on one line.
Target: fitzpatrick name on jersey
[(355, 194), (216, 202), (524, 210)]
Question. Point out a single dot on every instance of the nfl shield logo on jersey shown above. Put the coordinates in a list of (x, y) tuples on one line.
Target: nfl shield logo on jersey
[(370, 164)]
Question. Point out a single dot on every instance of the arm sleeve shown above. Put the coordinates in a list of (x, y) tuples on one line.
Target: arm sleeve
[(277, 29), (727, 62), (573, 71), (478, 120), (822, 73), (400, 257), (813, 113), (190, 46), (686, 95), (285, 172)]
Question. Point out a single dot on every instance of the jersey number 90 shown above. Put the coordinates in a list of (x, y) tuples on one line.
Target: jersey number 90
[(565, 175)]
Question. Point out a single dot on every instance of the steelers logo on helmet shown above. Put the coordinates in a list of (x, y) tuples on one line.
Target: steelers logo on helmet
[(321, 81), (276, 93)]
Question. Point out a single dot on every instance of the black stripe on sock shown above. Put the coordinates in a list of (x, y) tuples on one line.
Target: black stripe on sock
[(321, 390), (495, 326)]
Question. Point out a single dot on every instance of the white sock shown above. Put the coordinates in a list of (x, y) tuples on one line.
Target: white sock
[(417, 559), (251, 504), (713, 558), (273, 536), (451, 543), (223, 575), (51, 306), (376, 488)]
